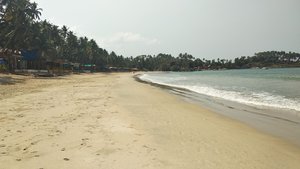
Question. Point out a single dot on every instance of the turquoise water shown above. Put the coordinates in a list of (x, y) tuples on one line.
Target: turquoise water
[(271, 88)]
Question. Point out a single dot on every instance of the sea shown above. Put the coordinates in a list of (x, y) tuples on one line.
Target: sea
[(267, 99)]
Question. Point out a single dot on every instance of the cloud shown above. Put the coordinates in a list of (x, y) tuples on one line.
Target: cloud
[(129, 37)]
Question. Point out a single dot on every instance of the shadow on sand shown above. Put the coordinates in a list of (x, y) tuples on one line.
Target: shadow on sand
[(8, 80)]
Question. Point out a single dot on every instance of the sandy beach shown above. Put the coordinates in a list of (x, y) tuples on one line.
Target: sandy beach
[(111, 121)]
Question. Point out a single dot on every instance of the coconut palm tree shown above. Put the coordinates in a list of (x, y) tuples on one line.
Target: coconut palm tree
[(18, 17)]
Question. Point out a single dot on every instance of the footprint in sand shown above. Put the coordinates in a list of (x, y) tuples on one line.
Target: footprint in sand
[(20, 115), (149, 149), (106, 151), (84, 141), (139, 134)]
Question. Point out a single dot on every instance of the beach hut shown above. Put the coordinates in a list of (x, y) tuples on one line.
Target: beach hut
[(88, 68), (75, 67), (3, 65), (59, 67), (28, 60), (11, 58)]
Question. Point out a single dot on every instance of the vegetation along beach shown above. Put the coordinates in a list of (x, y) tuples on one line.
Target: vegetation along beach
[(171, 85)]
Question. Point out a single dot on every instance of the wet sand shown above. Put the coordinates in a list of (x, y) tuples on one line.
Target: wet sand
[(277, 122), (112, 121)]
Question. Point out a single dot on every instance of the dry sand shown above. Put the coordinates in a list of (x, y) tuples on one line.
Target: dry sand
[(110, 121)]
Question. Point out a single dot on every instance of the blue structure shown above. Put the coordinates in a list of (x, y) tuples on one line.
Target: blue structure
[(29, 55), (2, 61)]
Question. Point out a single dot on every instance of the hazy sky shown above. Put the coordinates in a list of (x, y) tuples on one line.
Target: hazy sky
[(203, 28)]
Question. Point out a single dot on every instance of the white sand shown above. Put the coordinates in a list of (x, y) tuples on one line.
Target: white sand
[(110, 121)]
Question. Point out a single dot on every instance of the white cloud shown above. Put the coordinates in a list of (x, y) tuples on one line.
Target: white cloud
[(129, 37)]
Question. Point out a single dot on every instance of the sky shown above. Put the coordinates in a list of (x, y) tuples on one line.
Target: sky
[(204, 28)]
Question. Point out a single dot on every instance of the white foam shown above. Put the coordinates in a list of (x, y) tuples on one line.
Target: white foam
[(250, 98)]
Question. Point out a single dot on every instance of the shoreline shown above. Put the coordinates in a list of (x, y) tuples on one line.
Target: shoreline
[(113, 121), (279, 123)]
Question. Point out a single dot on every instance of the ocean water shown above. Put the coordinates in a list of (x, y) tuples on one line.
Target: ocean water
[(270, 89)]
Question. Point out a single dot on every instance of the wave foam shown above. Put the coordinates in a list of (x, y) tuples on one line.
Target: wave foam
[(250, 98)]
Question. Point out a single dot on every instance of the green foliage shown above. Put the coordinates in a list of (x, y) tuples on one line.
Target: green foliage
[(268, 59), (17, 18), (20, 28), (3, 68), (186, 62)]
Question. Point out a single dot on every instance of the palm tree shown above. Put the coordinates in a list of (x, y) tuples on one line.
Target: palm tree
[(50, 41), (72, 45), (18, 18)]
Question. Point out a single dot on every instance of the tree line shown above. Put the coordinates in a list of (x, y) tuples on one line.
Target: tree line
[(22, 29), (186, 62)]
